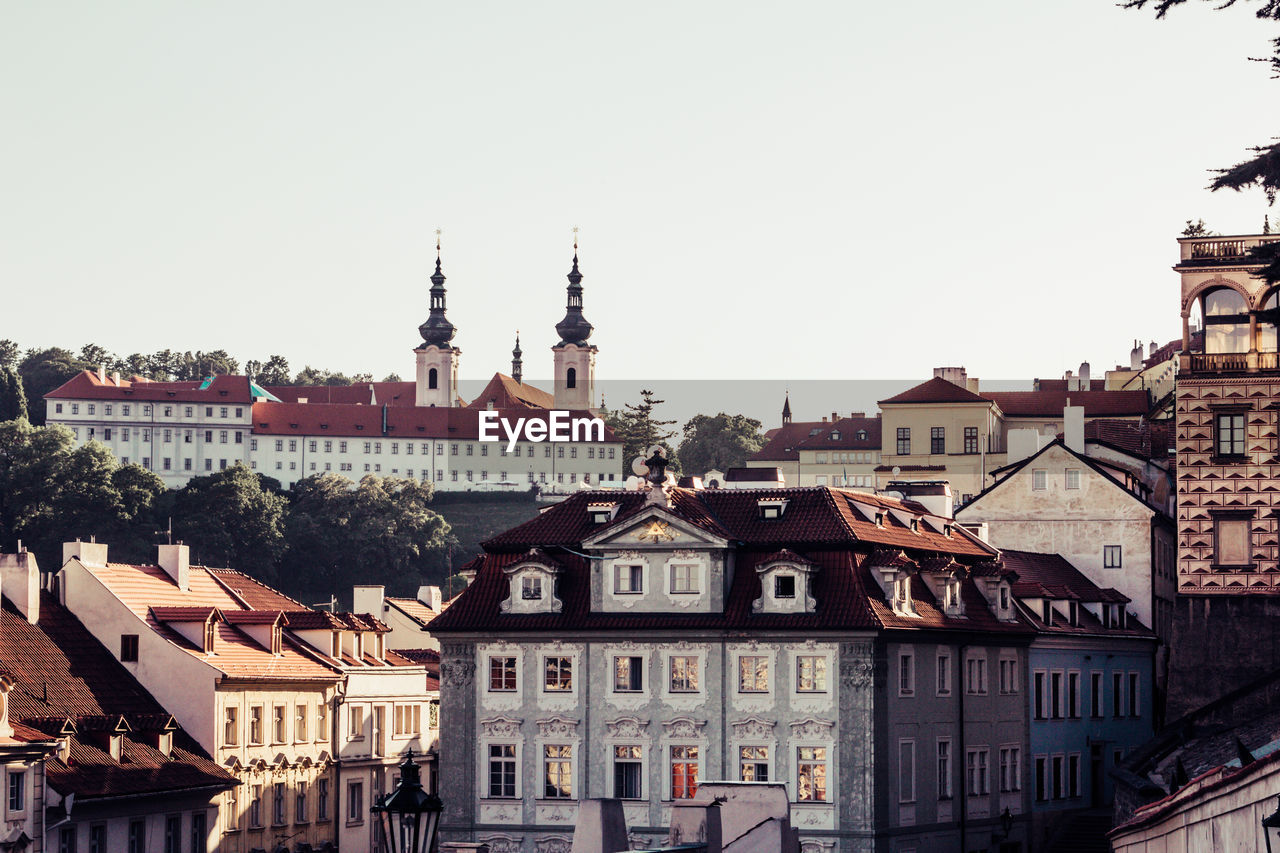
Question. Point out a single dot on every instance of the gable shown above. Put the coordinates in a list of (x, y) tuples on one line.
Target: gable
[(653, 527), (1016, 496)]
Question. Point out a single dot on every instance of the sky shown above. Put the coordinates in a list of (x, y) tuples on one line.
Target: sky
[(784, 192)]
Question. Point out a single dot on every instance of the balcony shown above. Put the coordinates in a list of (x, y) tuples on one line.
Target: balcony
[(1200, 252), (1231, 362)]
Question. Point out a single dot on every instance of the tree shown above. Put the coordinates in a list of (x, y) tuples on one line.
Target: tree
[(721, 441), (1263, 169), (639, 430), (274, 372), (229, 519), (1198, 229), (41, 372), (96, 355), (9, 351), (392, 377), (13, 400), (314, 376)]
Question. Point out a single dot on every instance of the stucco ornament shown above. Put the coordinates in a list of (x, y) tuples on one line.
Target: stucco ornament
[(627, 727), (500, 727), (656, 531), (753, 727), (457, 674), (502, 844), (553, 844), (684, 727), (812, 729), (557, 726)]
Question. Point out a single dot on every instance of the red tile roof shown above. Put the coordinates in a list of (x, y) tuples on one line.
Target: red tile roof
[(63, 673), (1061, 384), (414, 609), (1051, 576), (86, 385), (936, 390), (361, 393), (784, 441), (847, 429), (1049, 404), (503, 392), (406, 422), (1143, 439)]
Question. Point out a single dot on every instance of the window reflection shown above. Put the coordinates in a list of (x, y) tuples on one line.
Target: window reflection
[(1226, 322)]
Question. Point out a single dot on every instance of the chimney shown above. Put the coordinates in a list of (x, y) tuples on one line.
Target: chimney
[(1073, 428), (20, 583), (368, 599), (857, 414), (115, 377), (1084, 376), (176, 562), (1135, 356), (102, 374), (971, 384), (432, 597), (1152, 351), (90, 553), (933, 495), (834, 417)]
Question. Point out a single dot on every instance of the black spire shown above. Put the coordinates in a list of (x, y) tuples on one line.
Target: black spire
[(786, 409), (517, 363), (437, 331), (574, 328)]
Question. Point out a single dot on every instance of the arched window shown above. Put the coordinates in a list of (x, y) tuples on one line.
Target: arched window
[(433, 379), (1226, 321), (1268, 322), (571, 378)]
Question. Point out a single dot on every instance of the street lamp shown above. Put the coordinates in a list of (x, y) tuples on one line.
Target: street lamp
[(409, 816), (1271, 831)]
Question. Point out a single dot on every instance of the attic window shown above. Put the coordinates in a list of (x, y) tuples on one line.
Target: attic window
[(772, 507), (902, 595), (165, 744), (951, 594), (114, 746), (784, 586), (835, 435), (879, 519), (359, 426), (915, 525), (862, 435), (324, 426), (946, 530), (1073, 613), (1046, 611), (531, 589), (293, 426)]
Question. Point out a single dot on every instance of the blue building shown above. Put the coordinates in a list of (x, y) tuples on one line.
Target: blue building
[(1090, 689)]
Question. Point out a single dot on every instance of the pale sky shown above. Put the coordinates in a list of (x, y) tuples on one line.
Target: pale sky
[(793, 191)]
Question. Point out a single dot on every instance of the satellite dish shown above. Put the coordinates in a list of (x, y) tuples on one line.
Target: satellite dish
[(638, 467)]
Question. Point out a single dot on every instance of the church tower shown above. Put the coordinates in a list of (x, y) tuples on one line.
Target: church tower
[(437, 359), (575, 359), (517, 362)]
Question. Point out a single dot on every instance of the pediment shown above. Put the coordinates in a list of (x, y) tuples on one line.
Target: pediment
[(654, 527)]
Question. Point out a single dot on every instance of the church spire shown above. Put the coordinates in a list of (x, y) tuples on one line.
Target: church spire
[(437, 330), (574, 328), (517, 362), (786, 409)]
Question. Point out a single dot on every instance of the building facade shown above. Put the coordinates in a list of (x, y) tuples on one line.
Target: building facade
[(634, 644)]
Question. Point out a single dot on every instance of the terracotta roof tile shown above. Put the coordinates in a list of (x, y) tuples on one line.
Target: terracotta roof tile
[(86, 385), (1049, 404), (936, 390), (414, 609), (503, 392)]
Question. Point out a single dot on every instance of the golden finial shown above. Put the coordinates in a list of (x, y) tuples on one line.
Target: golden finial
[(575, 238), (438, 233)]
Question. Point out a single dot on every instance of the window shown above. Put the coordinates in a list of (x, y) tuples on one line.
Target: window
[(1055, 695), (684, 772), (1042, 779), (1095, 694), (1073, 695), (1073, 478), (559, 674), (811, 774), (1232, 542), (277, 804), (753, 763), (976, 673), (1055, 776), (944, 768), (407, 719), (1040, 699), (753, 674), (1110, 556), (1134, 705), (231, 727), (904, 441), (17, 790), (1230, 434), (138, 836), (684, 674), (627, 773), (355, 722), (1039, 479), (970, 439), (977, 782), (1117, 694), (322, 723), (129, 647), (937, 440), (530, 588), (684, 577), (628, 674), (98, 837), (811, 674), (906, 771), (255, 725), (322, 800), (300, 715), (1010, 777), (299, 803), (277, 724), (628, 580), (784, 586), (944, 674), (502, 674), (355, 802), (502, 770), (558, 768), (255, 805), (1008, 676), (906, 674)]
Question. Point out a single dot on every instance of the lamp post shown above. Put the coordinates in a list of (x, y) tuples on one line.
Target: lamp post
[(1271, 831), (1006, 828), (409, 817)]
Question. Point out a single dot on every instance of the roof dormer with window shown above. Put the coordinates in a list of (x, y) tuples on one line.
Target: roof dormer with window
[(786, 584), (532, 585)]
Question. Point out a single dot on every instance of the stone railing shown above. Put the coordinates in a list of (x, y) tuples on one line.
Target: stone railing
[(1220, 251)]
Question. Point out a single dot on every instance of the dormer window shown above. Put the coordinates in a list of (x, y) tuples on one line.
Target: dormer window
[(602, 513), (165, 743), (772, 507), (114, 745), (835, 435), (862, 435), (879, 519), (531, 589), (951, 595), (210, 631), (784, 586), (946, 530), (1073, 613), (915, 525), (1046, 612), (1004, 598), (902, 595)]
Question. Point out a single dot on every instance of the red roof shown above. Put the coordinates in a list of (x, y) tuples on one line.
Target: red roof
[(86, 385), (362, 393), (831, 529), (503, 392), (63, 673), (402, 422), (847, 430), (936, 390), (1049, 404), (784, 441), (1061, 384), (1143, 439)]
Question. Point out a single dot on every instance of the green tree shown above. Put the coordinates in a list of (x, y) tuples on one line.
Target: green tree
[(163, 365), (9, 351), (274, 372), (718, 441), (13, 400), (44, 370), (96, 355), (229, 519), (638, 429), (392, 377), (314, 376)]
